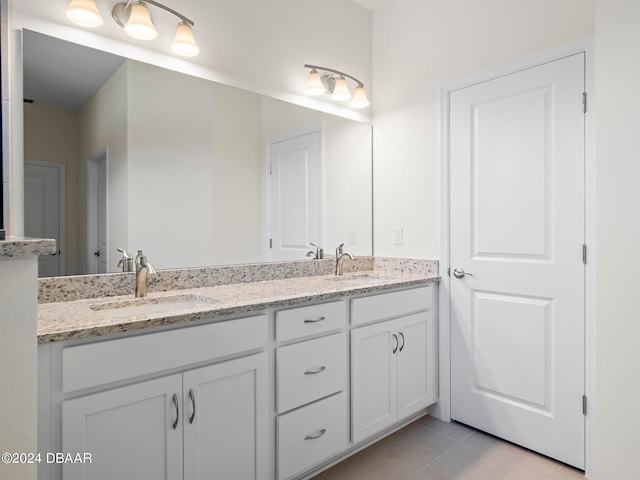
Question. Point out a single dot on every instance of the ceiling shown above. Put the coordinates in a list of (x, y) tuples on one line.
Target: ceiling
[(52, 71)]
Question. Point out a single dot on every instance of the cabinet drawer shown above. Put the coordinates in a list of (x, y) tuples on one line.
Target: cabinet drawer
[(389, 305), (310, 370), (304, 321), (311, 434), (94, 364)]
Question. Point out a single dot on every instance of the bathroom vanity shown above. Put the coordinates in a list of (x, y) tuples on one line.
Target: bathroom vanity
[(271, 379)]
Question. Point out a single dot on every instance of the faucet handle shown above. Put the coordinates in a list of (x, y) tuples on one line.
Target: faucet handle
[(141, 261), (339, 250)]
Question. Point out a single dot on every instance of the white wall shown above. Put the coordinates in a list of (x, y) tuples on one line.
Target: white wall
[(617, 431), (18, 310), (418, 45)]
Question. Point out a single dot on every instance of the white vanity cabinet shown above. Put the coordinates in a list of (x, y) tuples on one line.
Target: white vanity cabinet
[(393, 362), (311, 381), (206, 422)]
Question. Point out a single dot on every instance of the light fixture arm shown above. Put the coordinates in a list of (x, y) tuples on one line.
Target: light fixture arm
[(120, 8), (316, 67)]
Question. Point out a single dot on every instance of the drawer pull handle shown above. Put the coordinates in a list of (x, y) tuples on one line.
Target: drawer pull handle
[(402, 336), (193, 404), (315, 371), (318, 434), (175, 403), (314, 320), (395, 337)]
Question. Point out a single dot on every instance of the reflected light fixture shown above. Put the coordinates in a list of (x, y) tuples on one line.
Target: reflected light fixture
[(84, 12), (135, 18), (335, 84)]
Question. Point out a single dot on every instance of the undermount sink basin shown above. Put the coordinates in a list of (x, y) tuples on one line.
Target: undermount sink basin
[(148, 305)]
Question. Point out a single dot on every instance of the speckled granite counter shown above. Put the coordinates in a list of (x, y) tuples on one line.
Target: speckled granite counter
[(108, 315), (21, 247)]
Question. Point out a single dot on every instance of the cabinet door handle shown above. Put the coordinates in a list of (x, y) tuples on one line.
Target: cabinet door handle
[(192, 397), (402, 336), (318, 434), (175, 404), (314, 320), (395, 337), (315, 371)]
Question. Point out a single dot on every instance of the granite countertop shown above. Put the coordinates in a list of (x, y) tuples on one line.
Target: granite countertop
[(104, 316), (23, 247)]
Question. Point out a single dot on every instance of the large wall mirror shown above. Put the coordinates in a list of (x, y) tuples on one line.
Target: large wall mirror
[(123, 154)]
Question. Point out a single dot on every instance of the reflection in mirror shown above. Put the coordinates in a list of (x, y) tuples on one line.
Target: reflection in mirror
[(123, 154)]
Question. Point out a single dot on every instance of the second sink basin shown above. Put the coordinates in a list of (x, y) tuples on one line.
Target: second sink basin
[(149, 305)]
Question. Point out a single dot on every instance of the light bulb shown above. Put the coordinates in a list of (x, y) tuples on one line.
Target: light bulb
[(359, 99), (84, 12), (139, 24), (340, 90), (184, 44), (314, 84)]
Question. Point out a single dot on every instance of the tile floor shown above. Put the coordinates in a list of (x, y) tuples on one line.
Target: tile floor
[(429, 449)]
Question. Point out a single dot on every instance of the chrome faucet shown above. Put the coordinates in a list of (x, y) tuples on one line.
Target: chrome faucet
[(318, 254), (340, 256), (143, 270), (126, 262)]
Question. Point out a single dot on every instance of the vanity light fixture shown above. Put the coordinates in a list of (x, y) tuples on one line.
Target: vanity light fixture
[(135, 18), (84, 12), (335, 84)]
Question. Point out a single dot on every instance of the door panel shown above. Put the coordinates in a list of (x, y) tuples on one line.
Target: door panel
[(296, 196), (43, 209), (226, 435), (517, 223), (128, 431)]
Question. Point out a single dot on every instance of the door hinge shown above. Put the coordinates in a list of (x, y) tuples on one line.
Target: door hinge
[(584, 102), (269, 169), (584, 254), (584, 404), (271, 243)]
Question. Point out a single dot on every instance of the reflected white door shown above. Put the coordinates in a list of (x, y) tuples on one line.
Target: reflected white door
[(97, 214), (296, 196), (517, 225), (43, 200)]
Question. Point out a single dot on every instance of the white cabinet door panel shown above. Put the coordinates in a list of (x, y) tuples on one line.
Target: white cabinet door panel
[(226, 420), (128, 431)]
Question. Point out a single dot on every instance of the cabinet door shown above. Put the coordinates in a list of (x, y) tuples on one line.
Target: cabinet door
[(373, 379), (415, 357), (226, 426), (128, 431)]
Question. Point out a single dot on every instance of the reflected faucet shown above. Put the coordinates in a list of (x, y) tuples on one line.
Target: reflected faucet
[(143, 270), (340, 256)]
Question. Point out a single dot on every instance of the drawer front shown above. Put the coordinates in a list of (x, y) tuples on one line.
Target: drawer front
[(311, 370), (94, 364), (311, 434), (304, 321), (390, 305)]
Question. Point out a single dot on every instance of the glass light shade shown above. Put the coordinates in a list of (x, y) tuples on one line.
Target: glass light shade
[(139, 24), (184, 44), (340, 90), (359, 99), (84, 12), (314, 84)]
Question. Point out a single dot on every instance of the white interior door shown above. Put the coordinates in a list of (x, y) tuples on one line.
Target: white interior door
[(517, 230), (43, 210), (296, 196), (97, 214)]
